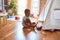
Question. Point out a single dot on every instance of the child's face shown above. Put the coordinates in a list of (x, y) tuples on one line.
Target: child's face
[(28, 14)]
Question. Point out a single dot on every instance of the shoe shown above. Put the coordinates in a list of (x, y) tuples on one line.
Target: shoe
[(39, 28)]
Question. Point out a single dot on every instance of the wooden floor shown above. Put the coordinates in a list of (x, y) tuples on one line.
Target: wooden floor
[(14, 31)]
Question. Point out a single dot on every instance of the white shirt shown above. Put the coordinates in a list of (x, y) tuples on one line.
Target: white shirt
[(24, 19)]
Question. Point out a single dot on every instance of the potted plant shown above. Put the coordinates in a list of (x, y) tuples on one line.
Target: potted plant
[(12, 7)]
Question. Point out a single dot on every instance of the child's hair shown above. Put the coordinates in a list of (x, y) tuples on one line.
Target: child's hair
[(27, 10)]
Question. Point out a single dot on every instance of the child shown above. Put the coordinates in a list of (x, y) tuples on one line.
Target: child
[(26, 21)]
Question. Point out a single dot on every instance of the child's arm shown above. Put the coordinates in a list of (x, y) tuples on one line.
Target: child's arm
[(30, 24), (26, 23)]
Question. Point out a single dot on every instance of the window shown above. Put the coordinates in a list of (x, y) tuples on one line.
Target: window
[(35, 7), (1, 5), (21, 6)]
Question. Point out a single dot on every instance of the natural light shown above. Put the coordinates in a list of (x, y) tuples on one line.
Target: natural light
[(21, 6)]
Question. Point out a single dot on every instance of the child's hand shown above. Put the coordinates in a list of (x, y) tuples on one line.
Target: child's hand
[(34, 24)]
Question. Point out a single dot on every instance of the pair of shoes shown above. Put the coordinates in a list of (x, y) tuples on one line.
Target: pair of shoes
[(39, 28)]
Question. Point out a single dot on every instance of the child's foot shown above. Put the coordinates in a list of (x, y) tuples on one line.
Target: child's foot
[(39, 28)]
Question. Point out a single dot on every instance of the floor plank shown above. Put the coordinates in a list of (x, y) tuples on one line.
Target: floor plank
[(16, 32)]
